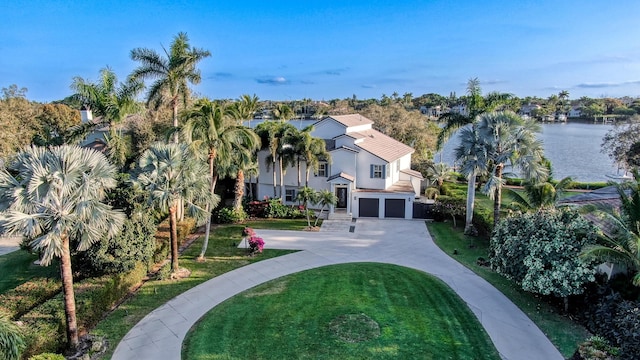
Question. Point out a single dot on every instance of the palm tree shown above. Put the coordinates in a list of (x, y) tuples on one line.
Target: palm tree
[(172, 174), (208, 130), (473, 157), (509, 140), (542, 194), (325, 198), (274, 136), (282, 112), (307, 195), (112, 101), (245, 108), (172, 73), (53, 197), (620, 240), (439, 173), (475, 104), (309, 149)]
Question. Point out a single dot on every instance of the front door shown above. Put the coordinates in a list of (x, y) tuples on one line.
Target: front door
[(341, 194)]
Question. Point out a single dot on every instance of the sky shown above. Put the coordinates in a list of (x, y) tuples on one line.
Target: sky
[(290, 50)]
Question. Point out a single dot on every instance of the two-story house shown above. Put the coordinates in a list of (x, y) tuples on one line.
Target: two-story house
[(369, 172)]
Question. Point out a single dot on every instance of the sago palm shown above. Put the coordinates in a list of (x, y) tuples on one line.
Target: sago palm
[(325, 198), (54, 197)]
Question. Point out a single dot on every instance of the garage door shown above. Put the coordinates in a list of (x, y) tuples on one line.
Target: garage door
[(394, 208), (369, 207)]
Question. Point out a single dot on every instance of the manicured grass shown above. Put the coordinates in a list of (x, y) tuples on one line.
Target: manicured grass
[(347, 311), (563, 333), (17, 268), (222, 256)]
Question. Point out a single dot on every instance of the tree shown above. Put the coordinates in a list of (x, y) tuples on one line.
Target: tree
[(619, 242), (509, 140), (19, 115), (541, 194), (244, 108), (618, 141), (307, 195), (274, 137), (112, 101), (55, 121), (172, 74), (309, 149), (473, 158), (282, 112), (539, 251), (11, 339), (172, 174), (209, 131), (325, 198), (53, 197), (475, 104)]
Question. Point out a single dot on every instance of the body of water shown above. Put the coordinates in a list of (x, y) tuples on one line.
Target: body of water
[(573, 148)]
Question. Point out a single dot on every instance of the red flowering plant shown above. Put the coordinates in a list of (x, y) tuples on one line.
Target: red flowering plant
[(256, 243)]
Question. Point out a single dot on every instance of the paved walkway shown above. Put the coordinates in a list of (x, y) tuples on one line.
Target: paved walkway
[(9, 244), (403, 242)]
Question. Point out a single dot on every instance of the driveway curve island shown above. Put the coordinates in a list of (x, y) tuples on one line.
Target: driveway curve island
[(402, 242)]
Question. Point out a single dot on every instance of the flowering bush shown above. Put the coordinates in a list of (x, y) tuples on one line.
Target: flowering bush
[(256, 243)]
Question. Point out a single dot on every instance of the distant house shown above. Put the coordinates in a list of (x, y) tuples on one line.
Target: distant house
[(528, 111), (460, 109), (370, 173), (575, 112), (433, 111)]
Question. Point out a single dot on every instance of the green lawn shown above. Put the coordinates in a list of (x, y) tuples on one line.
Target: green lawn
[(347, 311), (17, 268), (222, 256), (564, 333)]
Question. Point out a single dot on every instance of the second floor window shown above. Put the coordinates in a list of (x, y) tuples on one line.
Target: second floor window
[(377, 171), (322, 170)]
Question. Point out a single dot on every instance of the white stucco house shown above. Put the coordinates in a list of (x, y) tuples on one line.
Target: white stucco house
[(369, 172)]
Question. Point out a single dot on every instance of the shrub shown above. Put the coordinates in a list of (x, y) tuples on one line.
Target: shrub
[(162, 243), (449, 208), (597, 348), (618, 321), (135, 244), (11, 341), (28, 295), (483, 221), (230, 216), (540, 251)]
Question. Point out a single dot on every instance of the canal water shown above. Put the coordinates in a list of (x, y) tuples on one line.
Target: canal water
[(573, 148)]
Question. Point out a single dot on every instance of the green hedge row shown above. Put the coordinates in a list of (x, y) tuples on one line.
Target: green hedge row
[(20, 300), (573, 185)]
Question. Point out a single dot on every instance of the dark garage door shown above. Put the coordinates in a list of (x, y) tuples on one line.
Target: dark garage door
[(369, 207), (394, 208)]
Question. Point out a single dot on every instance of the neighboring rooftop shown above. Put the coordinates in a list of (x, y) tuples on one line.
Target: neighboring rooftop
[(351, 120)]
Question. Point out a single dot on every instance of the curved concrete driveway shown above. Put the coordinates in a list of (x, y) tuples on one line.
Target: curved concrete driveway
[(403, 242)]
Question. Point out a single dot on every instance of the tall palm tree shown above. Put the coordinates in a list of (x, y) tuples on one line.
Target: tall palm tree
[(476, 104), (309, 149), (211, 132), (274, 135), (244, 108), (473, 157), (620, 240), (509, 140), (112, 101), (172, 174), (53, 197), (171, 73)]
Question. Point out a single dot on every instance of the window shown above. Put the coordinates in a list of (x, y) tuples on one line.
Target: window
[(377, 171), (322, 170), (289, 195), (398, 165)]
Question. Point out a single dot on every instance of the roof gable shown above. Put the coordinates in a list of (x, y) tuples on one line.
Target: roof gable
[(380, 145)]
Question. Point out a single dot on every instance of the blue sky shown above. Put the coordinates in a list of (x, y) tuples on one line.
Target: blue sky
[(281, 50)]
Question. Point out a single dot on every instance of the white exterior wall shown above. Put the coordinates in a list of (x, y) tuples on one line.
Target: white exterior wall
[(327, 129), (363, 174)]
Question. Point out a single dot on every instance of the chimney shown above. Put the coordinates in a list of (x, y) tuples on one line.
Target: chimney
[(86, 115)]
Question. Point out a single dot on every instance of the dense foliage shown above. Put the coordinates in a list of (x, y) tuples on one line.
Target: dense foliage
[(540, 251)]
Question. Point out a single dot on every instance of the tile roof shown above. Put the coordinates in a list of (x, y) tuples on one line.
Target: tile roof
[(342, 175), (402, 186), (413, 173), (351, 120), (380, 145)]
